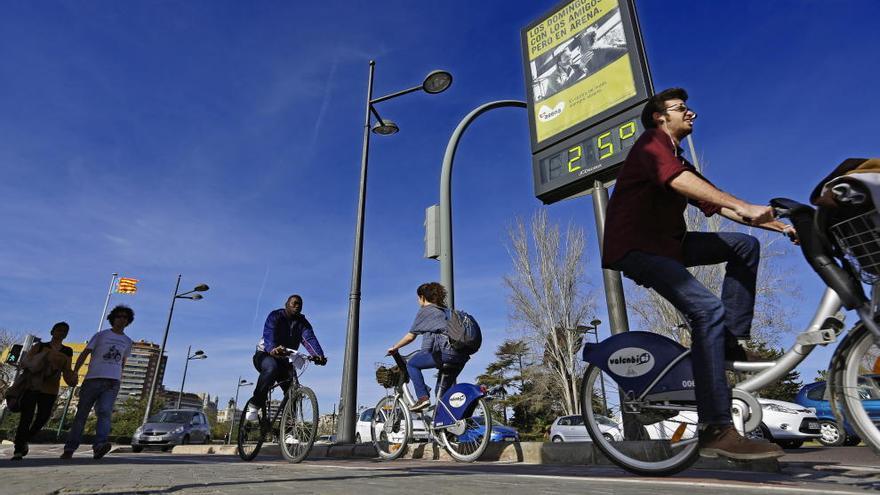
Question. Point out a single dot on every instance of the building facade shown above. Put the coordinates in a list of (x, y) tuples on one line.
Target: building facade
[(137, 375)]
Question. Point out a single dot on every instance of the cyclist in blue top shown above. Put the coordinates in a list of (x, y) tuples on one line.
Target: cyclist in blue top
[(285, 328), (430, 323)]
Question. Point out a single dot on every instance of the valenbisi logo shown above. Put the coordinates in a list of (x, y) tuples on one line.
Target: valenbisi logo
[(631, 362), (457, 399), (546, 114)]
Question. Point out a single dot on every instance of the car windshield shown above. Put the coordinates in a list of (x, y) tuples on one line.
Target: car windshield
[(172, 417), (602, 420)]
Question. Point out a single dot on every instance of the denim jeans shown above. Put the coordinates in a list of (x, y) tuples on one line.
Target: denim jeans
[(714, 322), (271, 369), (100, 393), (423, 360)]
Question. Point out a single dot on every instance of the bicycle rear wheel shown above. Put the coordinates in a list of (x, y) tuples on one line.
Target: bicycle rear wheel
[(859, 383), (299, 424), (391, 427), (660, 440), (468, 441), (251, 434)]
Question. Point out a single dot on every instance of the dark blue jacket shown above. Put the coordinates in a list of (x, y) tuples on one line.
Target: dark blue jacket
[(283, 330)]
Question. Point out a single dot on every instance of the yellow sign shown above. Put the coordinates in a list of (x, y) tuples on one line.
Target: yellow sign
[(579, 64)]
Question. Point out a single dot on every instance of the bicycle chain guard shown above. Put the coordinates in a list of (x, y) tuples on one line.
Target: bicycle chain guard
[(751, 413)]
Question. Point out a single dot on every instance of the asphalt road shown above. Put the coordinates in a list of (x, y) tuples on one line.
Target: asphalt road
[(852, 470)]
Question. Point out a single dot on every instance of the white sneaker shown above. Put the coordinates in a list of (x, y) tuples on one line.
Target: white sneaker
[(289, 440), (253, 414)]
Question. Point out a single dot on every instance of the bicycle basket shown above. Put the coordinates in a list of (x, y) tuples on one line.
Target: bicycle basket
[(388, 377), (859, 238)]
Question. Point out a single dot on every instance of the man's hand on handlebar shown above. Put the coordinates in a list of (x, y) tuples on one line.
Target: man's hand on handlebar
[(391, 351), (754, 214), (320, 360), (279, 351)]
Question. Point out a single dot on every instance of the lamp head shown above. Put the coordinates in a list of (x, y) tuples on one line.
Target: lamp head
[(201, 288), (195, 297), (199, 353), (437, 81), (596, 322), (385, 128)]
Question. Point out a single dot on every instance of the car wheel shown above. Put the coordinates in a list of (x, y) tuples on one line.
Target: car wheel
[(167, 448), (557, 439), (207, 440), (790, 444), (760, 433), (832, 434), (137, 449), (852, 441), (608, 437), (357, 438)]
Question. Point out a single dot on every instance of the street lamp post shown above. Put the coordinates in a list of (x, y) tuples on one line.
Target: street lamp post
[(593, 328), (241, 383), (435, 82), (197, 355), (185, 295)]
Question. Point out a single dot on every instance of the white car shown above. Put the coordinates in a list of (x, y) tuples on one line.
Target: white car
[(572, 429), (786, 423), (362, 428)]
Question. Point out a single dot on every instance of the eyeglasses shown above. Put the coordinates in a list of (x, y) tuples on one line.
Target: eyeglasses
[(681, 108)]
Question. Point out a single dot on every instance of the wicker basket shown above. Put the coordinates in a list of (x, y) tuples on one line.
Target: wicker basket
[(388, 377), (859, 237)]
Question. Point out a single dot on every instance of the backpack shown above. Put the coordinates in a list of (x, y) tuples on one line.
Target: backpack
[(463, 332)]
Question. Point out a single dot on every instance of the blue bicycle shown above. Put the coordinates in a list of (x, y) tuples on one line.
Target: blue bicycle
[(460, 421)]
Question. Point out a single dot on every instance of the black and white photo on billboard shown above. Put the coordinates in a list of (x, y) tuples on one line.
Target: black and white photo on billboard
[(578, 57)]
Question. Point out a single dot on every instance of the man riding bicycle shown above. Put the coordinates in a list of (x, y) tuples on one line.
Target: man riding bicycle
[(436, 351), (285, 328), (646, 238)]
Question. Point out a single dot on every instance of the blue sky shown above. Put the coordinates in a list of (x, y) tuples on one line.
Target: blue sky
[(221, 140)]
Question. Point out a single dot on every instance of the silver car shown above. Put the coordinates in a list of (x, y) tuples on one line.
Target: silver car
[(172, 427)]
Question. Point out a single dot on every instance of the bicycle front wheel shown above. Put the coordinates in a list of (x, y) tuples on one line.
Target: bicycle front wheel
[(660, 440), (251, 434), (391, 427), (859, 383), (299, 424), (467, 441)]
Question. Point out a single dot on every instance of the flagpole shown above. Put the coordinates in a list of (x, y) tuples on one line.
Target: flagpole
[(107, 301)]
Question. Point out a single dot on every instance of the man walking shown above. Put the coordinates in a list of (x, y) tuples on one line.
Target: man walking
[(646, 238), (109, 350)]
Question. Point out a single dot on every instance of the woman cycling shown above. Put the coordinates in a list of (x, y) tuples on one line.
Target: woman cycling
[(430, 322)]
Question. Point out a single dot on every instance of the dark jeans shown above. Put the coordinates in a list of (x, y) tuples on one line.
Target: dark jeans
[(423, 360), (714, 322), (271, 369), (29, 424)]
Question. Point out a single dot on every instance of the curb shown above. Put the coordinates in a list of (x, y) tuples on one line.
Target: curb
[(560, 454)]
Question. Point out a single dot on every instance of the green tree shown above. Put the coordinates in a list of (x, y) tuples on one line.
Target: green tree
[(785, 389), (821, 376), (127, 416)]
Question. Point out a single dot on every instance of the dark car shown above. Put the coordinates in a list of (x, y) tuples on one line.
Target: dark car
[(816, 395), (172, 427)]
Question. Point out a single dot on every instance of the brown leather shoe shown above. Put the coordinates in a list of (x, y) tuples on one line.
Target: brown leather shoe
[(725, 441), (420, 404)]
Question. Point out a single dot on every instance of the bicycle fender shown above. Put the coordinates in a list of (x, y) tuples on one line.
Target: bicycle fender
[(457, 403), (635, 359)]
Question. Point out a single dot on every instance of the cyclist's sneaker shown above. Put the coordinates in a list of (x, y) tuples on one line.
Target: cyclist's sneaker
[(290, 440), (725, 441), (253, 413), (420, 404), (101, 450)]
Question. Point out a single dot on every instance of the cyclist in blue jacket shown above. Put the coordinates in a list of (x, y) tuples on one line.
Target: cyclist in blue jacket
[(286, 327), (436, 351)]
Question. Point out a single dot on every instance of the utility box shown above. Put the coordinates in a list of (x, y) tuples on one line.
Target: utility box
[(432, 232)]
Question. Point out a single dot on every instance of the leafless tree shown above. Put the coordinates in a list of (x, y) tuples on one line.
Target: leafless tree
[(549, 298)]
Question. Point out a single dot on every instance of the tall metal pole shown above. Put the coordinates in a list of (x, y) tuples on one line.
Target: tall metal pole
[(348, 396), (106, 301), (446, 265), (182, 382), (161, 353), (234, 410), (614, 297)]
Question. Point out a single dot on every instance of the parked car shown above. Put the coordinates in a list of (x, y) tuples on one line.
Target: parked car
[(787, 424), (325, 440), (362, 428), (172, 427), (816, 395), (500, 432), (572, 429)]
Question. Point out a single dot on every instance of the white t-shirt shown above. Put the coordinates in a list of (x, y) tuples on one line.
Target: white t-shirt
[(108, 351)]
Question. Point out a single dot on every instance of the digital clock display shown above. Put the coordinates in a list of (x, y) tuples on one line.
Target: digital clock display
[(565, 168)]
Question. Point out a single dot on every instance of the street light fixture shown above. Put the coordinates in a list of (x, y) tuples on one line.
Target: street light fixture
[(435, 82), (177, 295), (200, 354), (241, 383)]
